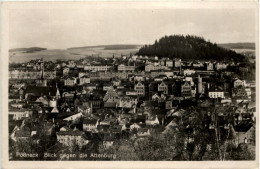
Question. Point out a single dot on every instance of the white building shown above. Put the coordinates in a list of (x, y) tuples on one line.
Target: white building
[(216, 92)]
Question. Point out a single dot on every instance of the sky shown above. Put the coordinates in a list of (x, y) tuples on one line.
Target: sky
[(56, 27)]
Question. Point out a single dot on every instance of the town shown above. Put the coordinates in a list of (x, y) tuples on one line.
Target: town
[(125, 106)]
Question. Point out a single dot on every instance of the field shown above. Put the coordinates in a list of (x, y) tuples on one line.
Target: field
[(73, 53)]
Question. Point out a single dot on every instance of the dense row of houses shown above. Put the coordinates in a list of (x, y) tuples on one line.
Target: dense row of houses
[(97, 101)]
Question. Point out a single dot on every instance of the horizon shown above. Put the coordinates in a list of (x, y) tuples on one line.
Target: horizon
[(112, 45)]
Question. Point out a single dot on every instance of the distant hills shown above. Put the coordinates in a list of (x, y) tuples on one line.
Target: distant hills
[(189, 48), (246, 45), (27, 50), (111, 47)]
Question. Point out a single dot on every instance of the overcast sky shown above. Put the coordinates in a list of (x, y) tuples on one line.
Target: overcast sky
[(127, 24)]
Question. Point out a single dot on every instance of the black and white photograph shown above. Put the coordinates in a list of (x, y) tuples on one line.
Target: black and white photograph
[(131, 81)]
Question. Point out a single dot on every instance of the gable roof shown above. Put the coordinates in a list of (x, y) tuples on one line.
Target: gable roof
[(90, 121)]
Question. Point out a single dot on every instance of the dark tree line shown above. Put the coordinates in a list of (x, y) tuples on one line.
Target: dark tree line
[(189, 48)]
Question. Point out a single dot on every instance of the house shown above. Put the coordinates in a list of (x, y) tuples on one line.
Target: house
[(17, 114), (84, 80), (108, 140), (74, 117), (86, 109), (90, 86), (245, 133), (209, 66), (135, 126), (71, 81), (44, 100), (185, 89), (97, 67), (55, 110), (72, 137), (216, 92), (107, 86), (123, 67), (21, 135), (130, 92), (154, 67), (127, 102), (188, 72), (152, 121), (163, 87), (196, 64), (65, 71), (143, 132), (116, 82), (140, 88), (239, 91), (239, 82), (168, 104), (71, 64), (111, 96), (220, 66), (90, 124), (168, 63), (177, 62), (38, 91)]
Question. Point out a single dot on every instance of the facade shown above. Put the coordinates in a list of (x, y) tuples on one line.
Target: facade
[(239, 82), (216, 92), (153, 67), (70, 81), (186, 89), (177, 62), (90, 124), (140, 88), (97, 67), (123, 67), (163, 87), (84, 80), (70, 138)]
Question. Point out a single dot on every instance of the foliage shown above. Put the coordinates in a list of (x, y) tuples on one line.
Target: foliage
[(189, 48)]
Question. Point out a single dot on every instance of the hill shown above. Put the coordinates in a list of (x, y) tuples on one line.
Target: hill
[(189, 48), (245, 45), (27, 50), (110, 47)]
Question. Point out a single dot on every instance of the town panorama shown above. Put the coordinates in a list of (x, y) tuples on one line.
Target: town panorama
[(139, 106)]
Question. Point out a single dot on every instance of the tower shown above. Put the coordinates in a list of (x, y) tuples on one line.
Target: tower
[(199, 88), (41, 81)]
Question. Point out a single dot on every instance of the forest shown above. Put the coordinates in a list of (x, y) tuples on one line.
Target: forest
[(189, 48)]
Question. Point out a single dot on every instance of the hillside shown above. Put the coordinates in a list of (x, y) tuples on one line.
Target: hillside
[(27, 50), (238, 45), (110, 47), (189, 48)]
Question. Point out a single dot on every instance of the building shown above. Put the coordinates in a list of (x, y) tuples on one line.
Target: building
[(154, 66), (84, 80), (127, 102), (239, 82), (71, 81), (186, 89), (216, 92), (209, 66), (70, 137), (163, 87), (199, 85), (177, 62), (140, 88), (220, 66), (90, 124), (97, 67), (188, 72), (123, 67)]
